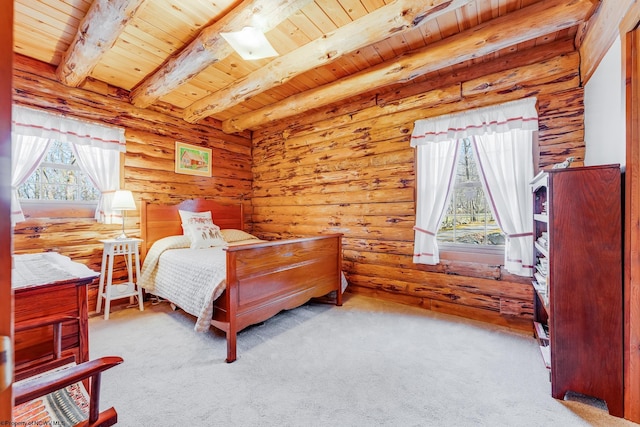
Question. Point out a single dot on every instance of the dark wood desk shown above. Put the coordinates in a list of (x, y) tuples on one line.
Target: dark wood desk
[(57, 299)]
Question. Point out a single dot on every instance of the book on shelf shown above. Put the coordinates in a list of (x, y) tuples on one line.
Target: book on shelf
[(543, 291)]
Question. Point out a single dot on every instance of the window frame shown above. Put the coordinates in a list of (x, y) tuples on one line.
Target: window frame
[(33, 209), (519, 115), (492, 255), (467, 252), (97, 146), (43, 208), (65, 209)]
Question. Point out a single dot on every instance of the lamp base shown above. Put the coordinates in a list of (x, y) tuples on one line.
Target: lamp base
[(122, 236)]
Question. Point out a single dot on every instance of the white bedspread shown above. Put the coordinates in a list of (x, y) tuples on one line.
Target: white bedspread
[(192, 279), (46, 267)]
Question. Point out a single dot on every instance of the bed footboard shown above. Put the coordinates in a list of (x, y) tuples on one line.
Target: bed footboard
[(266, 278)]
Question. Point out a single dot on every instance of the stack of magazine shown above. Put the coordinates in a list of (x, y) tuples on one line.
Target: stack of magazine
[(543, 240), (541, 284)]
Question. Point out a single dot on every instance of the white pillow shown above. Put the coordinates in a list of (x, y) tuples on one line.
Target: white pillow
[(204, 236), (234, 235), (189, 218)]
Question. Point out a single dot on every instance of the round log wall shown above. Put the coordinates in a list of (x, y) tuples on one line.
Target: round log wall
[(347, 168), (148, 163), (350, 169)]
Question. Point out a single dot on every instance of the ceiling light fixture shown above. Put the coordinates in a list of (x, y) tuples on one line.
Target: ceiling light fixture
[(250, 43)]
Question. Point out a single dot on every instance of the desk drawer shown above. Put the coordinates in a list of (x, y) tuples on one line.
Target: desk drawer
[(46, 300)]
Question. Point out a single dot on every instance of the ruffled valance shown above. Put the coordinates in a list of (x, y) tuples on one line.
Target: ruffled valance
[(520, 114), (30, 122)]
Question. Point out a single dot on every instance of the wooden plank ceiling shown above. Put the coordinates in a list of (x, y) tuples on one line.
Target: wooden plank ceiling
[(171, 51)]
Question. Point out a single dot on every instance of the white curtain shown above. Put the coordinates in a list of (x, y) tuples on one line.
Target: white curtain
[(97, 147), (505, 163), (435, 175), (497, 119), (519, 114), (26, 154), (103, 168)]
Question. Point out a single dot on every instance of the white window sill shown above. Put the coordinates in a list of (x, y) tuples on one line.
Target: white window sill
[(490, 255)]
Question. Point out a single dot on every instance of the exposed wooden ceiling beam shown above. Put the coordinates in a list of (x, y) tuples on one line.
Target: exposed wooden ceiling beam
[(601, 35), (97, 33), (394, 18), (209, 47), (491, 36)]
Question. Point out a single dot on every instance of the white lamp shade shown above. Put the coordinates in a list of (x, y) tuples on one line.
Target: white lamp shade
[(250, 43), (123, 201)]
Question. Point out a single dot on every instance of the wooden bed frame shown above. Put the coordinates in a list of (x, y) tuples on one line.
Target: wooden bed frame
[(262, 278)]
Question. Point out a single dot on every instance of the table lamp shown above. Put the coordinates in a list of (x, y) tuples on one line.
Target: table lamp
[(123, 201)]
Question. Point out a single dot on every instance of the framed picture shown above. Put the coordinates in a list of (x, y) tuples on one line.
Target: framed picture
[(193, 160)]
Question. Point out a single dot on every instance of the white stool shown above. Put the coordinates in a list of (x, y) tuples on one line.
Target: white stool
[(129, 248)]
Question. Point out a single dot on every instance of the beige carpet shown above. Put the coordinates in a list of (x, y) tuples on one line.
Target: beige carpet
[(368, 363)]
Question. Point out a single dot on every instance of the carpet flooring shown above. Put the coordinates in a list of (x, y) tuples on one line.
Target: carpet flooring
[(367, 363)]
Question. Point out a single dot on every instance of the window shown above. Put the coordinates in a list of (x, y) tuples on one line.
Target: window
[(77, 155), (59, 178), (468, 220), (455, 153)]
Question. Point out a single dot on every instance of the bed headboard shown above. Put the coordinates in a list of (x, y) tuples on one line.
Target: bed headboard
[(158, 220)]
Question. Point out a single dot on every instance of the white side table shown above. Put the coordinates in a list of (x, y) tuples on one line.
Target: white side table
[(108, 290)]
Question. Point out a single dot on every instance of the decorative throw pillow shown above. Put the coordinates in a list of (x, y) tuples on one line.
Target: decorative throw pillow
[(232, 235), (204, 236), (189, 218)]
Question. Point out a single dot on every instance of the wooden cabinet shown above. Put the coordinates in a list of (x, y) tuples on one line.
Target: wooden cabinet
[(578, 280), (48, 287)]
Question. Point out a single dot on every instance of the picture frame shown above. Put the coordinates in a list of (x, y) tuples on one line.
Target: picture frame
[(192, 159)]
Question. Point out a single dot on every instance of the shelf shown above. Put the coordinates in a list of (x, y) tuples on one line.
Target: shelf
[(122, 290), (542, 249), (542, 275), (542, 293), (578, 307), (109, 291), (542, 217), (545, 350), (543, 341), (540, 180), (541, 332)]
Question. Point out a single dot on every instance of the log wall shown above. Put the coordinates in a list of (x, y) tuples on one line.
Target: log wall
[(148, 162), (347, 168), (350, 169)]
